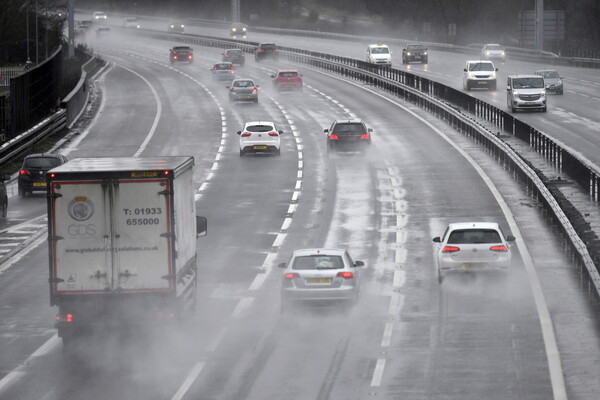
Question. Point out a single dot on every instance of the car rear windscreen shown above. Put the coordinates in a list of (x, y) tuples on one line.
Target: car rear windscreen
[(260, 128), (39, 162), (318, 262), (349, 129), (474, 236)]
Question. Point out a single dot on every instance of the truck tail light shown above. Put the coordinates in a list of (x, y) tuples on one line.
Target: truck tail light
[(450, 249), (190, 57), (345, 275), (65, 317), (501, 248)]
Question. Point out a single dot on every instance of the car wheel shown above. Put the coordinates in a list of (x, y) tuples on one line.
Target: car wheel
[(241, 153), (467, 86), (4, 209), (493, 86), (21, 192), (513, 109), (440, 276), (256, 100), (544, 109), (560, 92), (278, 152)]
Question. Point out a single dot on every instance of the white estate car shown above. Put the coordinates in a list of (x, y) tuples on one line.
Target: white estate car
[(320, 276), (472, 246), (259, 137), (479, 73)]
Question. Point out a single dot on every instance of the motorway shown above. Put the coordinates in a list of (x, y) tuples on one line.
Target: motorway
[(473, 337)]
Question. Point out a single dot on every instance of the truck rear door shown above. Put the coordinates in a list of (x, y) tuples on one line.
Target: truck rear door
[(111, 236)]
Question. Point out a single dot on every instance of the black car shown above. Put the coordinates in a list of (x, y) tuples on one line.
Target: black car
[(266, 51), (181, 54), (413, 53), (348, 135), (32, 175), (3, 196), (234, 56)]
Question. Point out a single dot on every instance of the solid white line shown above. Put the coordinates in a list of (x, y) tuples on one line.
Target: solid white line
[(156, 116), (552, 354), (189, 380), (378, 373)]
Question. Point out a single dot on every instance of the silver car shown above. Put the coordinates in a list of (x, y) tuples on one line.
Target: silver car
[(526, 92), (320, 276), (493, 51), (472, 246), (243, 90), (552, 80)]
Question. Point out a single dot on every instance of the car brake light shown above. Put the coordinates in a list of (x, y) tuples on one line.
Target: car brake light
[(242, 55), (500, 248), (175, 57), (273, 133), (190, 57), (291, 275), (450, 249), (365, 136), (261, 51), (24, 172), (253, 90), (246, 134), (233, 90), (276, 50), (345, 274), (333, 136)]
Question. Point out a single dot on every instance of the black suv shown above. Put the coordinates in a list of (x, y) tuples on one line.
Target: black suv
[(415, 52), (3, 196), (32, 175), (348, 134), (266, 51)]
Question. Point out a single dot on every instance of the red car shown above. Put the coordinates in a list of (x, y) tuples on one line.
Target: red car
[(288, 79)]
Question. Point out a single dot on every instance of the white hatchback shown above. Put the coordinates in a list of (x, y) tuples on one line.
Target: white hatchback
[(260, 137), (472, 246)]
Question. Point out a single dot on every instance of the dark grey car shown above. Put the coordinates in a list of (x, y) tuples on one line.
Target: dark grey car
[(32, 175), (234, 56), (243, 90), (552, 80)]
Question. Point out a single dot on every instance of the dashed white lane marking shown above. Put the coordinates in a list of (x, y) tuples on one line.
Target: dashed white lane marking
[(189, 380), (378, 373)]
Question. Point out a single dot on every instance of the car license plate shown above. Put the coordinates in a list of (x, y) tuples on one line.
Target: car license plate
[(260, 147), (244, 96), (43, 184), (474, 265), (318, 281)]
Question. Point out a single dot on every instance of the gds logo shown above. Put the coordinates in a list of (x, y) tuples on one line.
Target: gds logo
[(81, 208)]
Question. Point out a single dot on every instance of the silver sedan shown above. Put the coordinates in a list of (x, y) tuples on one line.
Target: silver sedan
[(320, 276)]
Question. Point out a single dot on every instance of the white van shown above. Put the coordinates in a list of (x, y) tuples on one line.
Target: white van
[(526, 92), (379, 54)]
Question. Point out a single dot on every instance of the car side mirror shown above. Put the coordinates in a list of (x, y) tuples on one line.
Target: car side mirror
[(437, 240), (465, 69), (280, 132), (359, 264), (239, 132), (273, 76), (257, 86), (282, 265), (369, 130), (496, 69), (201, 226), (510, 238), (326, 130), (228, 87), (508, 88)]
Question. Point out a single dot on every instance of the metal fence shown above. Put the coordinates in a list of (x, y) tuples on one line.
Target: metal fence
[(35, 94)]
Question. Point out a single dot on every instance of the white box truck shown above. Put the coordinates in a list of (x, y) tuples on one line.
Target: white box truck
[(122, 242)]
